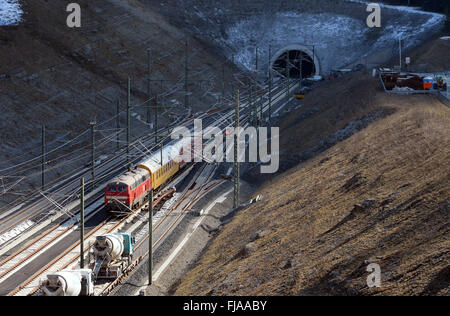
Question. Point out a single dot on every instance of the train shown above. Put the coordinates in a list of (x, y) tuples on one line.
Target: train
[(129, 191)]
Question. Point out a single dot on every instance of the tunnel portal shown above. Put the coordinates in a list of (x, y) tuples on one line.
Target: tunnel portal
[(299, 63)]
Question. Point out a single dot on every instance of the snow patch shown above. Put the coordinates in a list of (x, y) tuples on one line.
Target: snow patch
[(324, 30), (10, 12)]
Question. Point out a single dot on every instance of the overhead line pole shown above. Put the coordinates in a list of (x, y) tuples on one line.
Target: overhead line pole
[(186, 79), (232, 76), (161, 149), (250, 98), (223, 84), (93, 154), (160, 99), (301, 70), (150, 237), (270, 83), (237, 172), (156, 117), (128, 119), (118, 124), (148, 84), (43, 158), (82, 225), (256, 84), (288, 75)]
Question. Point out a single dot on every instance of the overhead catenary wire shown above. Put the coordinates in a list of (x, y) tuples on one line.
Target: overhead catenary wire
[(170, 90)]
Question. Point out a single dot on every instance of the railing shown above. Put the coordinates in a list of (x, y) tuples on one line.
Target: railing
[(444, 97)]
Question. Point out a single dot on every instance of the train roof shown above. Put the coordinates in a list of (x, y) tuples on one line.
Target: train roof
[(131, 177), (153, 162), (169, 152)]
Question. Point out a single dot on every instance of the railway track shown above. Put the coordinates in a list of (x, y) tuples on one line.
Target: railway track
[(30, 251), (72, 255), (71, 186), (188, 198), (74, 185), (40, 244), (23, 289)]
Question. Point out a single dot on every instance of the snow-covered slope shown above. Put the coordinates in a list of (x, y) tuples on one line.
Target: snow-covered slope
[(338, 40), (336, 28), (10, 12)]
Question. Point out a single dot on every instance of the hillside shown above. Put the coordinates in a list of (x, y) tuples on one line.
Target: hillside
[(368, 184), (433, 5), (434, 55), (335, 30)]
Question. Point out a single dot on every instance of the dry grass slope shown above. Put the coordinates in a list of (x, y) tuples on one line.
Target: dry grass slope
[(380, 195)]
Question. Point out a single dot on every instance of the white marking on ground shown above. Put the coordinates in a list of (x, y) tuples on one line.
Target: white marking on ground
[(16, 231), (169, 260)]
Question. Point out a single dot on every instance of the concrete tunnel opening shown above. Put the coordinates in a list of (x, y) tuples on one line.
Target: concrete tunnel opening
[(295, 61)]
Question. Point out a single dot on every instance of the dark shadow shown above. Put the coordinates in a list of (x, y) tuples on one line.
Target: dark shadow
[(440, 282)]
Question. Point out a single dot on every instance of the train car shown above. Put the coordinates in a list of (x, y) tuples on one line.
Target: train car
[(68, 283), (111, 255), (162, 165)]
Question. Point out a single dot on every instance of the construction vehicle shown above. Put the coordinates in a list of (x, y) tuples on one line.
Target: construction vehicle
[(301, 92), (68, 283), (441, 82)]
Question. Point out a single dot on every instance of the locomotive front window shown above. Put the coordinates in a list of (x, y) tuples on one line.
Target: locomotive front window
[(122, 188), (112, 188)]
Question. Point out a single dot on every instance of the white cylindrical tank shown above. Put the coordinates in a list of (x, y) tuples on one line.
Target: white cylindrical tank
[(63, 283), (109, 247)]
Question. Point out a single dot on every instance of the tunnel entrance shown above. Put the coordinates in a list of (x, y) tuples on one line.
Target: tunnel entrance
[(298, 62)]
